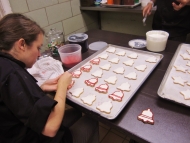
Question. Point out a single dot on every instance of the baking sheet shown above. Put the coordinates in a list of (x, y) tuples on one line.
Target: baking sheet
[(100, 97), (169, 90), (120, 6)]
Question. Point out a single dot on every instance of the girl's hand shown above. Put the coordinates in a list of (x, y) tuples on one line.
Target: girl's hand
[(147, 9)]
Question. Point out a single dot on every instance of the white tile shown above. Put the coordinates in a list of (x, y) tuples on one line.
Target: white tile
[(72, 24), (39, 16), (82, 30), (19, 6), (36, 4), (60, 1), (59, 12), (75, 5)]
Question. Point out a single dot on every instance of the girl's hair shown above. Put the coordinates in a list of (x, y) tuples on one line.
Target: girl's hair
[(15, 26)]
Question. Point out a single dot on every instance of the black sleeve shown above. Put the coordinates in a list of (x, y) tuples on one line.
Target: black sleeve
[(27, 101)]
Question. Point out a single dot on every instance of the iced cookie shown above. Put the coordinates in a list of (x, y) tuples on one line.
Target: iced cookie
[(124, 87), (114, 60), (91, 82), (105, 107), (180, 68), (119, 70), (97, 73), (106, 67), (141, 68), (103, 56), (151, 59), (188, 63), (71, 85), (103, 88), (116, 96), (111, 49), (186, 94), (121, 53), (188, 52), (76, 74), (88, 99), (76, 92), (185, 56), (111, 80), (132, 76), (95, 61), (86, 68), (129, 62), (146, 116), (179, 80), (188, 83), (133, 56)]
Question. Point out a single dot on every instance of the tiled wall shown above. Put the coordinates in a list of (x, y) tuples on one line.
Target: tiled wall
[(64, 15)]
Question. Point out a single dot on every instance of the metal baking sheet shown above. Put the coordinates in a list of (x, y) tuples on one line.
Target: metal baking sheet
[(100, 97), (121, 6), (169, 90)]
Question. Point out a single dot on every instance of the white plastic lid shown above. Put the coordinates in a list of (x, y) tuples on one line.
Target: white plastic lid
[(79, 37), (95, 46)]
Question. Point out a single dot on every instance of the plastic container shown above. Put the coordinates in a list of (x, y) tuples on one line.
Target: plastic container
[(81, 39), (156, 40), (70, 54)]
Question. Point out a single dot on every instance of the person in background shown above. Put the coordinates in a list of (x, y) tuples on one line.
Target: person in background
[(171, 16), (27, 115)]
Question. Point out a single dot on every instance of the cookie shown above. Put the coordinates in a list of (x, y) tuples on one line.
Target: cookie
[(86, 68), (76, 74), (116, 96), (119, 70), (133, 56), (111, 49), (141, 68), (151, 59), (114, 60), (103, 56), (186, 94), (121, 53), (106, 67), (179, 80), (146, 116), (129, 62), (188, 63), (131, 76), (71, 85), (89, 99), (91, 82), (111, 80), (105, 107), (124, 87), (188, 51), (97, 73), (95, 61), (102, 88), (185, 56), (180, 68), (76, 92)]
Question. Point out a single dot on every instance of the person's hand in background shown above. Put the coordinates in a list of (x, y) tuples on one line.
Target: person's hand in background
[(147, 9), (179, 4)]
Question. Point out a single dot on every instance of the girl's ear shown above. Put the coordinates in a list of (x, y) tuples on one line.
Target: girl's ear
[(21, 44)]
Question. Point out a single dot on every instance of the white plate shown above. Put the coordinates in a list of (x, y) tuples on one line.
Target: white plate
[(137, 43)]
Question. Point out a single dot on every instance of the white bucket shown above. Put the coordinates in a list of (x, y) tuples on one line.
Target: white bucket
[(156, 40)]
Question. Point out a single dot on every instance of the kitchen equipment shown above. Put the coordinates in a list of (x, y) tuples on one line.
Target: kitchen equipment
[(55, 40), (156, 40), (81, 39), (70, 54)]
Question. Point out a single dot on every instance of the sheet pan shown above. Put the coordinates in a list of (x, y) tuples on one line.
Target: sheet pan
[(100, 97), (169, 90)]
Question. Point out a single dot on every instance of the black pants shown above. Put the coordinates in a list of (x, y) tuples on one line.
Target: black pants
[(83, 129)]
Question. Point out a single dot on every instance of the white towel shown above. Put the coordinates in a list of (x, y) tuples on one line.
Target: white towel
[(46, 68)]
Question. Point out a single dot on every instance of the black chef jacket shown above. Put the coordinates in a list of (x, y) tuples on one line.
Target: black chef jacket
[(24, 108), (176, 23)]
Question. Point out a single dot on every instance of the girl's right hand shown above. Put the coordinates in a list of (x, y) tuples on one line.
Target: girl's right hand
[(65, 80), (147, 9)]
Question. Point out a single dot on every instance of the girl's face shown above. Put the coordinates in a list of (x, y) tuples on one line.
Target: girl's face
[(33, 51)]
